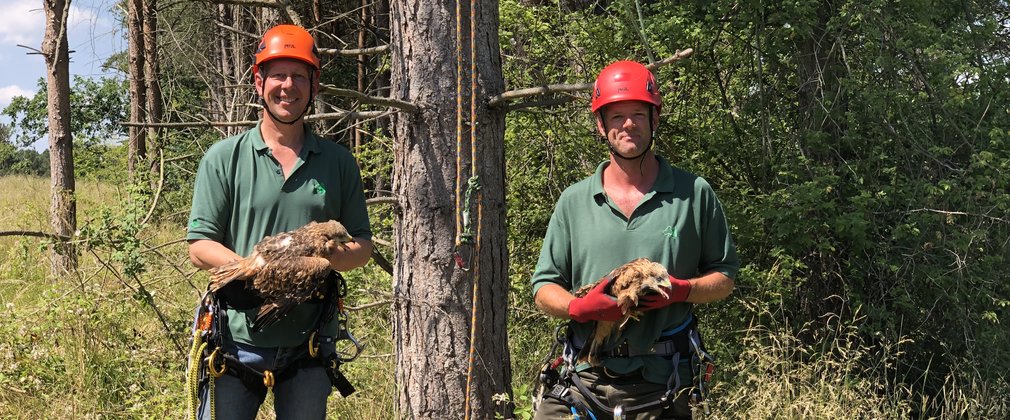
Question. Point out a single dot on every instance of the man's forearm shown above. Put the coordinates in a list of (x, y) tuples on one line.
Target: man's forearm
[(553, 300), (207, 254), (351, 255), (710, 287)]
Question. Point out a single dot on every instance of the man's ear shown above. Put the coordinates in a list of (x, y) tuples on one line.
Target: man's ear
[(599, 124), (258, 82)]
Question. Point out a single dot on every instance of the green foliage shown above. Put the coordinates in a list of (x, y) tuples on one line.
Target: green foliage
[(854, 146), (96, 109), (116, 231)]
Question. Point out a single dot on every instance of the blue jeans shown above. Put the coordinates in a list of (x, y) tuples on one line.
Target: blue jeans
[(299, 396)]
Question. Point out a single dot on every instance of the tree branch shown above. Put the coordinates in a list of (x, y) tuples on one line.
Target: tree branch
[(365, 99), (501, 99), (281, 5), (356, 51), (368, 305), (248, 123), (382, 200), (157, 193), (34, 234)]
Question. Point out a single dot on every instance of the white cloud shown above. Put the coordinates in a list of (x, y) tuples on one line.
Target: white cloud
[(24, 22), (7, 93)]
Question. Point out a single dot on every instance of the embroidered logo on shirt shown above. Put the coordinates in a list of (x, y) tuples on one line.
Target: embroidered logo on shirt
[(670, 233), (193, 224), (319, 188)]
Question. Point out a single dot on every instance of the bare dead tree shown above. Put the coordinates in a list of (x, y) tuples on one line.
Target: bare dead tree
[(62, 208)]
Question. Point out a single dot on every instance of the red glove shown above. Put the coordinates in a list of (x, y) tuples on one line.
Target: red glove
[(596, 305), (678, 291)]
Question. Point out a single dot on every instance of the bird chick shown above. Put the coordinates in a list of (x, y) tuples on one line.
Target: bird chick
[(636, 279), (286, 269)]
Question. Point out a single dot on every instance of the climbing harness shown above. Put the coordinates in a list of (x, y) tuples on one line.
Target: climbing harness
[(208, 360), (558, 375)]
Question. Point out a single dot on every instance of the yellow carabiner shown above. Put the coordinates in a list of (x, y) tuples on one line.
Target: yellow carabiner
[(313, 345), (212, 368), (268, 379)]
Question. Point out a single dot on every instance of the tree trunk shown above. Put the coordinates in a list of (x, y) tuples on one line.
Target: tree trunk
[(152, 87), (137, 149), (62, 209), (432, 296)]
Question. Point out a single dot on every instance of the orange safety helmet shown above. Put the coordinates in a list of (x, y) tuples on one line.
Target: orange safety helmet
[(287, 41), (625, 81)]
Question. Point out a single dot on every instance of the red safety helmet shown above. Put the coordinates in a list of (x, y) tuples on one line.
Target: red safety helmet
[(287, 41), (625, 81)]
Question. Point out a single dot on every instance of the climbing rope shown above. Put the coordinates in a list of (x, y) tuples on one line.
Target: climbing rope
[(473, 189), (193, 374)]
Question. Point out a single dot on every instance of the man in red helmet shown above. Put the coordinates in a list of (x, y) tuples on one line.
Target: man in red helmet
[(276, 177), (635, 206)]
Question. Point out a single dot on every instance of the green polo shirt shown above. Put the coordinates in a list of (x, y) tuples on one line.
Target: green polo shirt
[(679, 223), (241, 196)]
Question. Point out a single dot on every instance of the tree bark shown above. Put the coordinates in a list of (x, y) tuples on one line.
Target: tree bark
[(62, 208), (137, 150), (152, 86), (432, 296)]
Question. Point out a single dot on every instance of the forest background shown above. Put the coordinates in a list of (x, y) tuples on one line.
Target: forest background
[(860, 150)]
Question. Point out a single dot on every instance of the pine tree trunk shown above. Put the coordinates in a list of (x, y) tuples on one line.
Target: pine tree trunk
[(432, 296), (152, 86), (62, 209), (137, 149)]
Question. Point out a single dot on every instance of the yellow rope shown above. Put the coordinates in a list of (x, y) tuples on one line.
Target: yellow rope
[(473, 177), (193, 374), (459, 120), (211, 397)]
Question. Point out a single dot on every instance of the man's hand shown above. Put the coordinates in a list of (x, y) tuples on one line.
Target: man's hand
[(596, 305), (678, 291)]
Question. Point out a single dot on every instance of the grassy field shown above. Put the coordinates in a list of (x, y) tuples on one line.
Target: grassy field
[(91, 346)]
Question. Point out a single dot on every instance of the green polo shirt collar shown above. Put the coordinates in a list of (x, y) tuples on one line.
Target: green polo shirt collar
[(664, 181), (311, 142)]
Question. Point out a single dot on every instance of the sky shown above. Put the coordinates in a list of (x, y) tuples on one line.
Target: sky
[(93, 33)]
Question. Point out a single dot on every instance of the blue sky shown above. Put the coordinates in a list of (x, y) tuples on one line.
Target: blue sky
[(93, 33)]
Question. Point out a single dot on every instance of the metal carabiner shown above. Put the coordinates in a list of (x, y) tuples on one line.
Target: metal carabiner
[(345, 334)]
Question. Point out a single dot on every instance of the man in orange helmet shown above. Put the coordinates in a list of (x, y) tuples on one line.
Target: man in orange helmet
[(276, 177), (635, 206)]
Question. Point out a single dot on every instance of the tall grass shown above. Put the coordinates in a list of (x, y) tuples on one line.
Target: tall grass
[(89, 346)]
